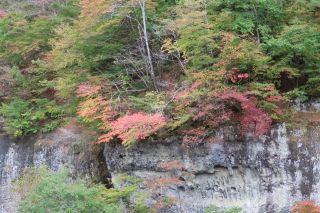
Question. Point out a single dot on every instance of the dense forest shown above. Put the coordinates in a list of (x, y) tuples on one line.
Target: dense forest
[(133, 70)]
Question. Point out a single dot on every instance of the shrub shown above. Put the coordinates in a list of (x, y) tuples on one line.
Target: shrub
[(305, 207), (46, 191), (24, 39), (259, 18), (253, 120), (296, 52), (24, 117), (137, 126)]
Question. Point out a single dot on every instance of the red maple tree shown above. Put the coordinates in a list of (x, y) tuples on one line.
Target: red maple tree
[(133, 127), (253, 120)]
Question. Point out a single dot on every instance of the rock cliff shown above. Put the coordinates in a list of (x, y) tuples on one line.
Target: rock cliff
[(69, 146), (264, 175), (267, 174)]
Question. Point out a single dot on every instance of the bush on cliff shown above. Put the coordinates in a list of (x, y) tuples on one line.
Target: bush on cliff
[(43, 190)]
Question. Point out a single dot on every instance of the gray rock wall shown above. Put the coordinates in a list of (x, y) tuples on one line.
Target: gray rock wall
[(265, 175), (68, 146)]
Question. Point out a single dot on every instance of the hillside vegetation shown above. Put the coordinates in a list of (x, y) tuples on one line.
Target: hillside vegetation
[(132, 69)]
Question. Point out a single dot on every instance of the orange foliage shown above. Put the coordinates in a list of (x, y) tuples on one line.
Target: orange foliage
[(306, 207), (129, 128), (221, 64), (94, 106), (90, 10), (137, 126)]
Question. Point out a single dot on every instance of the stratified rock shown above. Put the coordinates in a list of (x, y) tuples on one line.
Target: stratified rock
[(260, 176)]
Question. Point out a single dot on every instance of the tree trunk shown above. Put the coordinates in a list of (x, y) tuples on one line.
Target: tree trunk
[(257, 23), (144, 19)]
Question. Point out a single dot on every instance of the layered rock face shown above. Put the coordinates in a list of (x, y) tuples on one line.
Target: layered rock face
[(69, 146), (259, 175), (266, 175)]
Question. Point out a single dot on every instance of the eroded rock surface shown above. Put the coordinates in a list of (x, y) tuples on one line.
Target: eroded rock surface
[(265, 175), (68, 146)]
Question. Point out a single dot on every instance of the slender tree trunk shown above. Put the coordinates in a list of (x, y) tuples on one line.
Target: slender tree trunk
[(144, 19), (257, 23)]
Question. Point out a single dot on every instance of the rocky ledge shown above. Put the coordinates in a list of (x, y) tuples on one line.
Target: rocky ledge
[(264, 175)]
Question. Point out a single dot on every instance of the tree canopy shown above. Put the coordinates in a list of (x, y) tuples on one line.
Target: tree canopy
[(168, 64)]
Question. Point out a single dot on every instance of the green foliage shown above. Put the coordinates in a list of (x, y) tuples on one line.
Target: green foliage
[(297, 47), (180, 121), (258, 18), (150, 102), (272, 43), (23, 39), (313, 86), (124, 178), (296, 93), (199, 45), (197, 42), (30, 9), (48, 191), (140, 203), (163, 6), (263, 90), (88, 49), (296, 52), (139, 198), (25, 117), (248, 57), (66, 10)]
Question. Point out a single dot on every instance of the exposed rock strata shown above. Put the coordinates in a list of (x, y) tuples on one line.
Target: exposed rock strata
[(265, 175)]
